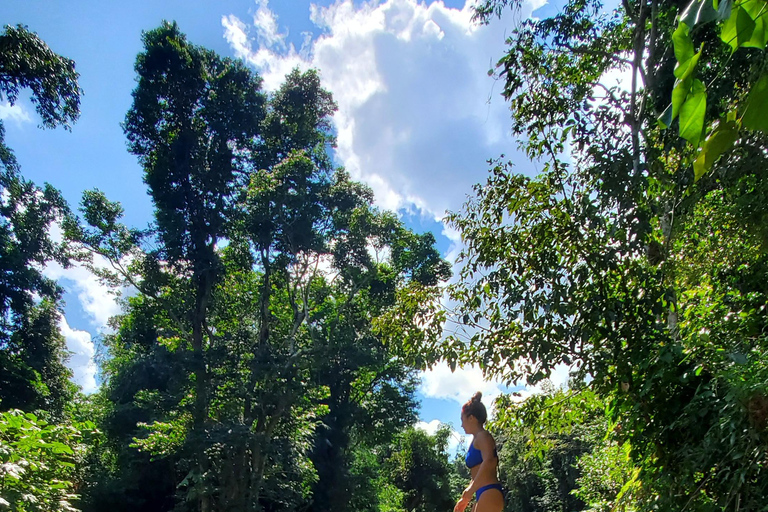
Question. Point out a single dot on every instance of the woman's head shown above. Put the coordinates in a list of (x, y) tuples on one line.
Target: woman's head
[(474, 408)]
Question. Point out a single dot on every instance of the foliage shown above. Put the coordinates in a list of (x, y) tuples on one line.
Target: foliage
[(617, 262), (27, 62), (37, 462), (419, 467), (32, 350), (543, 440), (742, 25), (608, 480), (34, 377)]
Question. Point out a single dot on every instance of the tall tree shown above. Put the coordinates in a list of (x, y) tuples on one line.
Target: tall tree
[(260, 243), (370, 391), (32, 350), (193, 118), (192, 113)]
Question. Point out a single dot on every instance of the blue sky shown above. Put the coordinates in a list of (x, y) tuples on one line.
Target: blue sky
[(418, 116)]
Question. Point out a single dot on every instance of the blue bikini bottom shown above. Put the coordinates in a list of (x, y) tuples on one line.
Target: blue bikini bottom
[(486, 487)]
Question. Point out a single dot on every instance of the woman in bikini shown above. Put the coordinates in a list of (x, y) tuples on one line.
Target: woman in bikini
[(482, 461)]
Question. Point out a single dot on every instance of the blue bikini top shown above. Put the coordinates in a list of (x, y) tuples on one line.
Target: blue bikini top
[(475, 457)]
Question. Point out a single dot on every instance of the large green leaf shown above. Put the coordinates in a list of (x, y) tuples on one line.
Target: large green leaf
[(718, 142), (738, 28), (686, 69), (756, 108), (692, 113), (683, 45), (758, 11), (686, 58), (679, 95)]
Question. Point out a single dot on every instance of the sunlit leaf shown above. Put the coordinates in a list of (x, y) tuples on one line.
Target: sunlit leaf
[(756, 108), (738, 28), (758, 11), (686, 69), (718, 142), (683, 45), (692, 113), (679, 95)]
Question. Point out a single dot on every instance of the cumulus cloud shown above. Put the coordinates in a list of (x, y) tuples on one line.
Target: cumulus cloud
[(418, 114), (460, 385), (97, 300), (455, 440), (428, 427), (558, 379), (14, 112), (81, 361), (265, 23)]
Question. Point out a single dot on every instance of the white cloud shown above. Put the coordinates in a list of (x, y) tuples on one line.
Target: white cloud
[(455, 440), (558, 379), (14, 112), (418, 115), (460, 385), (97, 300), (265, 23), (81, 361), (273, 69), (560, 375), (430, 428)]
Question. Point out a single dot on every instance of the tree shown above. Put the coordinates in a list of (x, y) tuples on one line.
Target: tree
[(418, 466), (193, 118), (32, 350), (609, 260), (27, 62), (370, 390), (544, 440), (262, 265)]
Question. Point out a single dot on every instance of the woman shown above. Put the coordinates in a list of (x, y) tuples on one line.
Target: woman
[(481, 460)]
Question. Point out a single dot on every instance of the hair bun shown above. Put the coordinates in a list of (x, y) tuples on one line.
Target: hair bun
[(477, 396)]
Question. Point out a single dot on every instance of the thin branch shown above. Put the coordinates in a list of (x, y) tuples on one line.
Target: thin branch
[(130, 279), (639, 47)]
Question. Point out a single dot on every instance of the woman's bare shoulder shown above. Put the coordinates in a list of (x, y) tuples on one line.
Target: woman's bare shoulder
[(484, 439)]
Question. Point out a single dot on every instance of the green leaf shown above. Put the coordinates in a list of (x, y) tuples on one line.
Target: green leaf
[(692, 113), (58, 447), (679, 95), (686, 69), (756, 108), (738, 28), (718, 142), (758, 11), (686, 58), (682, 43)]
